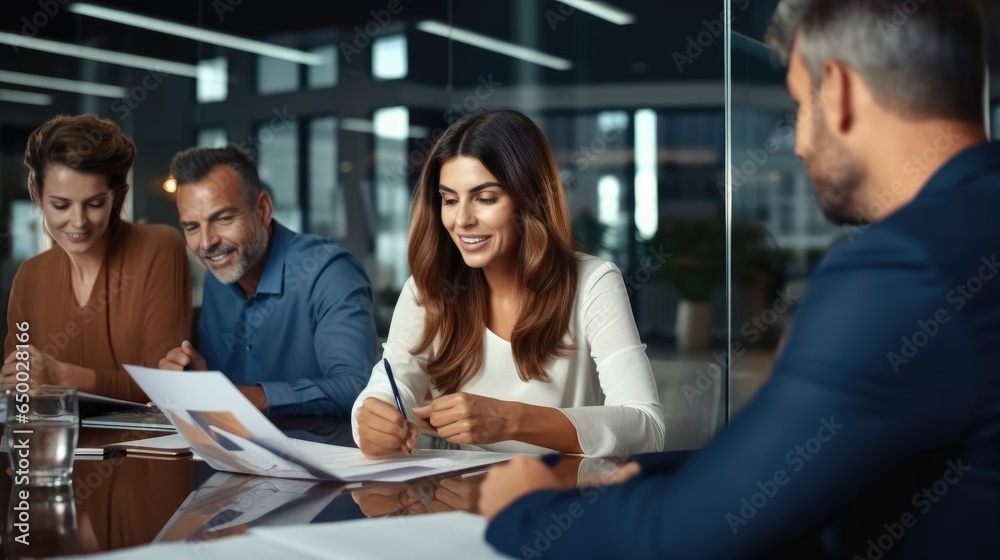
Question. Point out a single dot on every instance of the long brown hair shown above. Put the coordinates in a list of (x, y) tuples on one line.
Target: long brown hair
[(455, 296), (86, 144)]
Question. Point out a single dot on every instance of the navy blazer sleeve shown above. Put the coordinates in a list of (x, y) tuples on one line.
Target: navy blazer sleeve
[(856, 392)]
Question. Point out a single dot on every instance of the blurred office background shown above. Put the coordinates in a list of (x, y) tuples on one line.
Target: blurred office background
[(341, 101)]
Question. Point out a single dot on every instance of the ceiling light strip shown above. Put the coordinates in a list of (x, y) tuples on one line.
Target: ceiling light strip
[(61, 84), (100, 55), (495, 45), (197, 34), (602, 10), (26, 97)]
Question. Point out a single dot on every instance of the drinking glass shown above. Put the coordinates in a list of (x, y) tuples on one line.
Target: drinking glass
[(41, 430)]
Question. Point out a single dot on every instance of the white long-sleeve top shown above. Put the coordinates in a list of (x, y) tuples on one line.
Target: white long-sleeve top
[(605, 387)]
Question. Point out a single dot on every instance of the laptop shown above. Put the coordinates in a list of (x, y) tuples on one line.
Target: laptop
[(98, 411)]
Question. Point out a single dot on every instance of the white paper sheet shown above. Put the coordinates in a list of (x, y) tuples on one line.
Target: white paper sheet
[(230, 434), (230, 548), (440, 536)]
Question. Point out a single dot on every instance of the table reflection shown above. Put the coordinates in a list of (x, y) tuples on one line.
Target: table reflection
[(126, 501), (41, 521), (228, 504), (430, 495), (122, 501)]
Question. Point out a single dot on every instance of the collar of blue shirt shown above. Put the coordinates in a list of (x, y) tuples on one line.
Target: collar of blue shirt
[(272, 278)]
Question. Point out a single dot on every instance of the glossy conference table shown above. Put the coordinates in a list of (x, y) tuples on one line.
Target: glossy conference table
[(129, 500)]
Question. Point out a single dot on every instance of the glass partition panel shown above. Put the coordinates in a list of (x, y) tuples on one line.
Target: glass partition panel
[(777, 233), (341, 110)]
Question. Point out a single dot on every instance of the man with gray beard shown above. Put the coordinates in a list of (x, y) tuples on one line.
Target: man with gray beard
[(287, 317)]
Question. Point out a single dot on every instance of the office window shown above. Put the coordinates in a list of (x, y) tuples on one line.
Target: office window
[(278, 163), (327, 213), (27, 232), (389, 57), (213, 80), (276, 76), (324, 75), (392, 194), (647, 206), (212, 137)]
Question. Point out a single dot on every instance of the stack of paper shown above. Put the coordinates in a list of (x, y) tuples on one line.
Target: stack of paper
[(230, 434)]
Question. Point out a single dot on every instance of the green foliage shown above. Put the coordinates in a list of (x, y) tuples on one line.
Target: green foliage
[(698, 261), (698, 247)]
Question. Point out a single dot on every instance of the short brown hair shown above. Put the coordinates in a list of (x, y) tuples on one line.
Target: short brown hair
[(86, 144)]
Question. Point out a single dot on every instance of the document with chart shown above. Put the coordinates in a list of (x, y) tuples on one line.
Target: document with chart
[(230, 434)]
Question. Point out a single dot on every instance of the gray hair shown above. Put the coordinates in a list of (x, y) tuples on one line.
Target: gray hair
[(921, 58), (194, 164)]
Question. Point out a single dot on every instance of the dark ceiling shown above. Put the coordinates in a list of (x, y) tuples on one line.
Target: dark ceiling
[(601, 52)]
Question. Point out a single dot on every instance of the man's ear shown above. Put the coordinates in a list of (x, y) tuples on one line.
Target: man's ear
[(836, 96), (264, 207)]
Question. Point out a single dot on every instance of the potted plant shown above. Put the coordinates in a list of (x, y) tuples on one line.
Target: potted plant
[(698, 264)]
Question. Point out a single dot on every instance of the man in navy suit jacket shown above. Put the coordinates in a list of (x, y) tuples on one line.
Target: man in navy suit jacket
[(879, 430)]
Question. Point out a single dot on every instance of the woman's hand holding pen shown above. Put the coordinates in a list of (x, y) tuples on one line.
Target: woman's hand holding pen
[(469, 419), (382, 430)]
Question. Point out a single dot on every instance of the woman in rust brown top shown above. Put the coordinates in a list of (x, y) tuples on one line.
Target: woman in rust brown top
[(110, 292)]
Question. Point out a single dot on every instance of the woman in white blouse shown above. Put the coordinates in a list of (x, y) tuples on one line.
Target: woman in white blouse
[(522, 344)]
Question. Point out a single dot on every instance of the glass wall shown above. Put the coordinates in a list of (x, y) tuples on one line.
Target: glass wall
[(341, 106), (779, 234)]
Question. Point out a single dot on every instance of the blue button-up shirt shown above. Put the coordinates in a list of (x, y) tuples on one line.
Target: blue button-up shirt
[(307, 336)]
